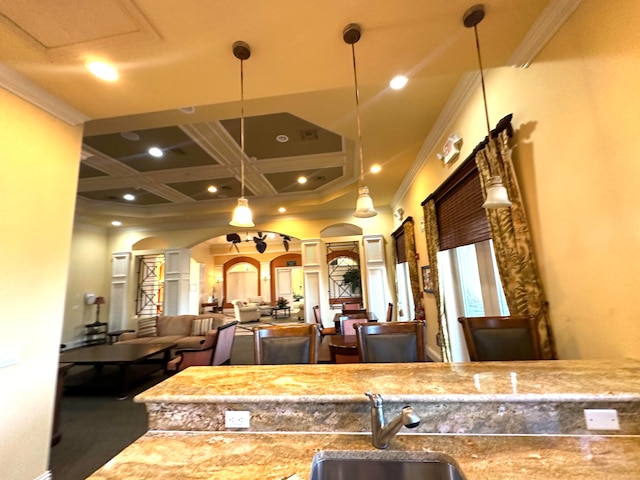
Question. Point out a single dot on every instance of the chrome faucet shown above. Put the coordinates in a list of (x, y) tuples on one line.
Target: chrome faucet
[(381, 433)]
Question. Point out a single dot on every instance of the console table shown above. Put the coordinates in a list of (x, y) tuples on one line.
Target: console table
[(95, 333)]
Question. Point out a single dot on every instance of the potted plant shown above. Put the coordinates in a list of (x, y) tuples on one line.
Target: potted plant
[(352, 279), (282, 302)]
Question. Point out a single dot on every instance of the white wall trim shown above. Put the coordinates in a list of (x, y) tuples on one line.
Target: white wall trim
[(543, 30), (27, 90), (45, 476)]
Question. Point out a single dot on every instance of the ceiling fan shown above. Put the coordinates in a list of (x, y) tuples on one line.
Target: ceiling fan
[(259, 240)]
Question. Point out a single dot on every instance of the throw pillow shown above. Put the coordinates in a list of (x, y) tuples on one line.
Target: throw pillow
[(201, 326), (148, 327)]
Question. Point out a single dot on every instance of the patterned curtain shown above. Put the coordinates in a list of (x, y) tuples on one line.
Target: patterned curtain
[(410, 252), (512, 242), (433, 246)]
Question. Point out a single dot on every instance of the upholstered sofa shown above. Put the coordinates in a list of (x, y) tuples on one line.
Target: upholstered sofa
[(246, 312), (186, 331)]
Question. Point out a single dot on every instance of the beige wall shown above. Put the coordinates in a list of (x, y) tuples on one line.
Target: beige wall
[(39, 158), (89, 271), (575, 111)]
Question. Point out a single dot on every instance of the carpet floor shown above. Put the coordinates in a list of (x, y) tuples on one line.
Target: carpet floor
[(96, 426)]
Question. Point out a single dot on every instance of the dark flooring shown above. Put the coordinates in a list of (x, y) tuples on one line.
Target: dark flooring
[(96, 426)]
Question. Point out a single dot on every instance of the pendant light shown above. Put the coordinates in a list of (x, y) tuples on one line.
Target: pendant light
[(242, 216), (364, 205), (497, 196)]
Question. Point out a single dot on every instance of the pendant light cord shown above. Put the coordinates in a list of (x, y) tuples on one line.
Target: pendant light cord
[(241, 128), (484, 91), (355, 78)]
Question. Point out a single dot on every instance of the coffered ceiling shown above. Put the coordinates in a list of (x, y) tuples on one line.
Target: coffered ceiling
[(179, 91)]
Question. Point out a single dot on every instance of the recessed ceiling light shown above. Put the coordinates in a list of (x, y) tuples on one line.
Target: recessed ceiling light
[(282, 209), (103, 71), (375, 168), (282, 138), (187, 110), (133, 136), (129, 197), (212, 189), (398, 82), (116, 223), (302, 179), (155, 152)]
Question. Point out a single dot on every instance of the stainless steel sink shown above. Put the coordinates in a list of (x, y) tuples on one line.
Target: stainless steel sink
[(387, 465)]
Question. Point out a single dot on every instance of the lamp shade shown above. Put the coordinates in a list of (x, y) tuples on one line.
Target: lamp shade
[(364, 204), (497, 196), (242, 216), (99, 301)]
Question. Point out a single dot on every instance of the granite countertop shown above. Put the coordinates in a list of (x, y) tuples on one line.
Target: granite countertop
[(279, 456), (559, 380)]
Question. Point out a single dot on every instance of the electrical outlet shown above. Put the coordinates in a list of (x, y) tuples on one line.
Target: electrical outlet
[(237, 419), (602, 419)]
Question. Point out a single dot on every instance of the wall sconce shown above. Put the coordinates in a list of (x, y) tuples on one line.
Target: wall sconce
[(451, 149)]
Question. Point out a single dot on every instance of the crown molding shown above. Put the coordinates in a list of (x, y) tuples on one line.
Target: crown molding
[(24, 88), (544, 28)]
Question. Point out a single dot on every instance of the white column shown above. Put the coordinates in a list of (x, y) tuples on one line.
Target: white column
[(119, 290), (314, 267), (177, 281), (377, 290)]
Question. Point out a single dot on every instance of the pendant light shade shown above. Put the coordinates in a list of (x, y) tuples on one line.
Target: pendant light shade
[(364, 205), (497, 196), (242, 216)]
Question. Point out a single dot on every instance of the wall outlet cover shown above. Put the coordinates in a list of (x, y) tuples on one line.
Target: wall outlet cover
[(237, 419), (602, 419)]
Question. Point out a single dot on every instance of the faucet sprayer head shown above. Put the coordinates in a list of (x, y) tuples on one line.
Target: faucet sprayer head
[(410, 419)]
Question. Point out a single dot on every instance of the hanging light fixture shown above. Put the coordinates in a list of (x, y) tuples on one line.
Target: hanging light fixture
[(364, 204), (242, 216), (497, 196)]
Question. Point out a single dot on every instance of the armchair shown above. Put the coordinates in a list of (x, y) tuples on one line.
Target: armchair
[(246, 313), (215, 350)]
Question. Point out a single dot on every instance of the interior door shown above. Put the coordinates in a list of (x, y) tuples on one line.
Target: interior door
[(286, 282)]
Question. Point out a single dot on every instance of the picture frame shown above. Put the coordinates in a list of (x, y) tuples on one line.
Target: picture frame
[(427, 282)]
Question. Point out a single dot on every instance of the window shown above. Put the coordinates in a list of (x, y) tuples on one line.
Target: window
[(471, 288)]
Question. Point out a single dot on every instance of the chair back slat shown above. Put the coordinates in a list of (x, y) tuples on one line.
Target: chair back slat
[(502, 338), (284, 345), (394, 342)]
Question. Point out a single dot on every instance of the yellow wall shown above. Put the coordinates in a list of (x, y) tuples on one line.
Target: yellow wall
[(39, 158), (575, 111), (89, 271)]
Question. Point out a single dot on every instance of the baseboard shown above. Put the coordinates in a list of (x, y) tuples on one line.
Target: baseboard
[(45, 476)]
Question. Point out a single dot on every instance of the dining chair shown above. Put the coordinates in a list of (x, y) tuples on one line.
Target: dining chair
[(342, 354), (394, 342), (284, 345), (215, 350), (220, 307), (321, 328), (350, 306), (502, 338), (347, 324), (390, 312)]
